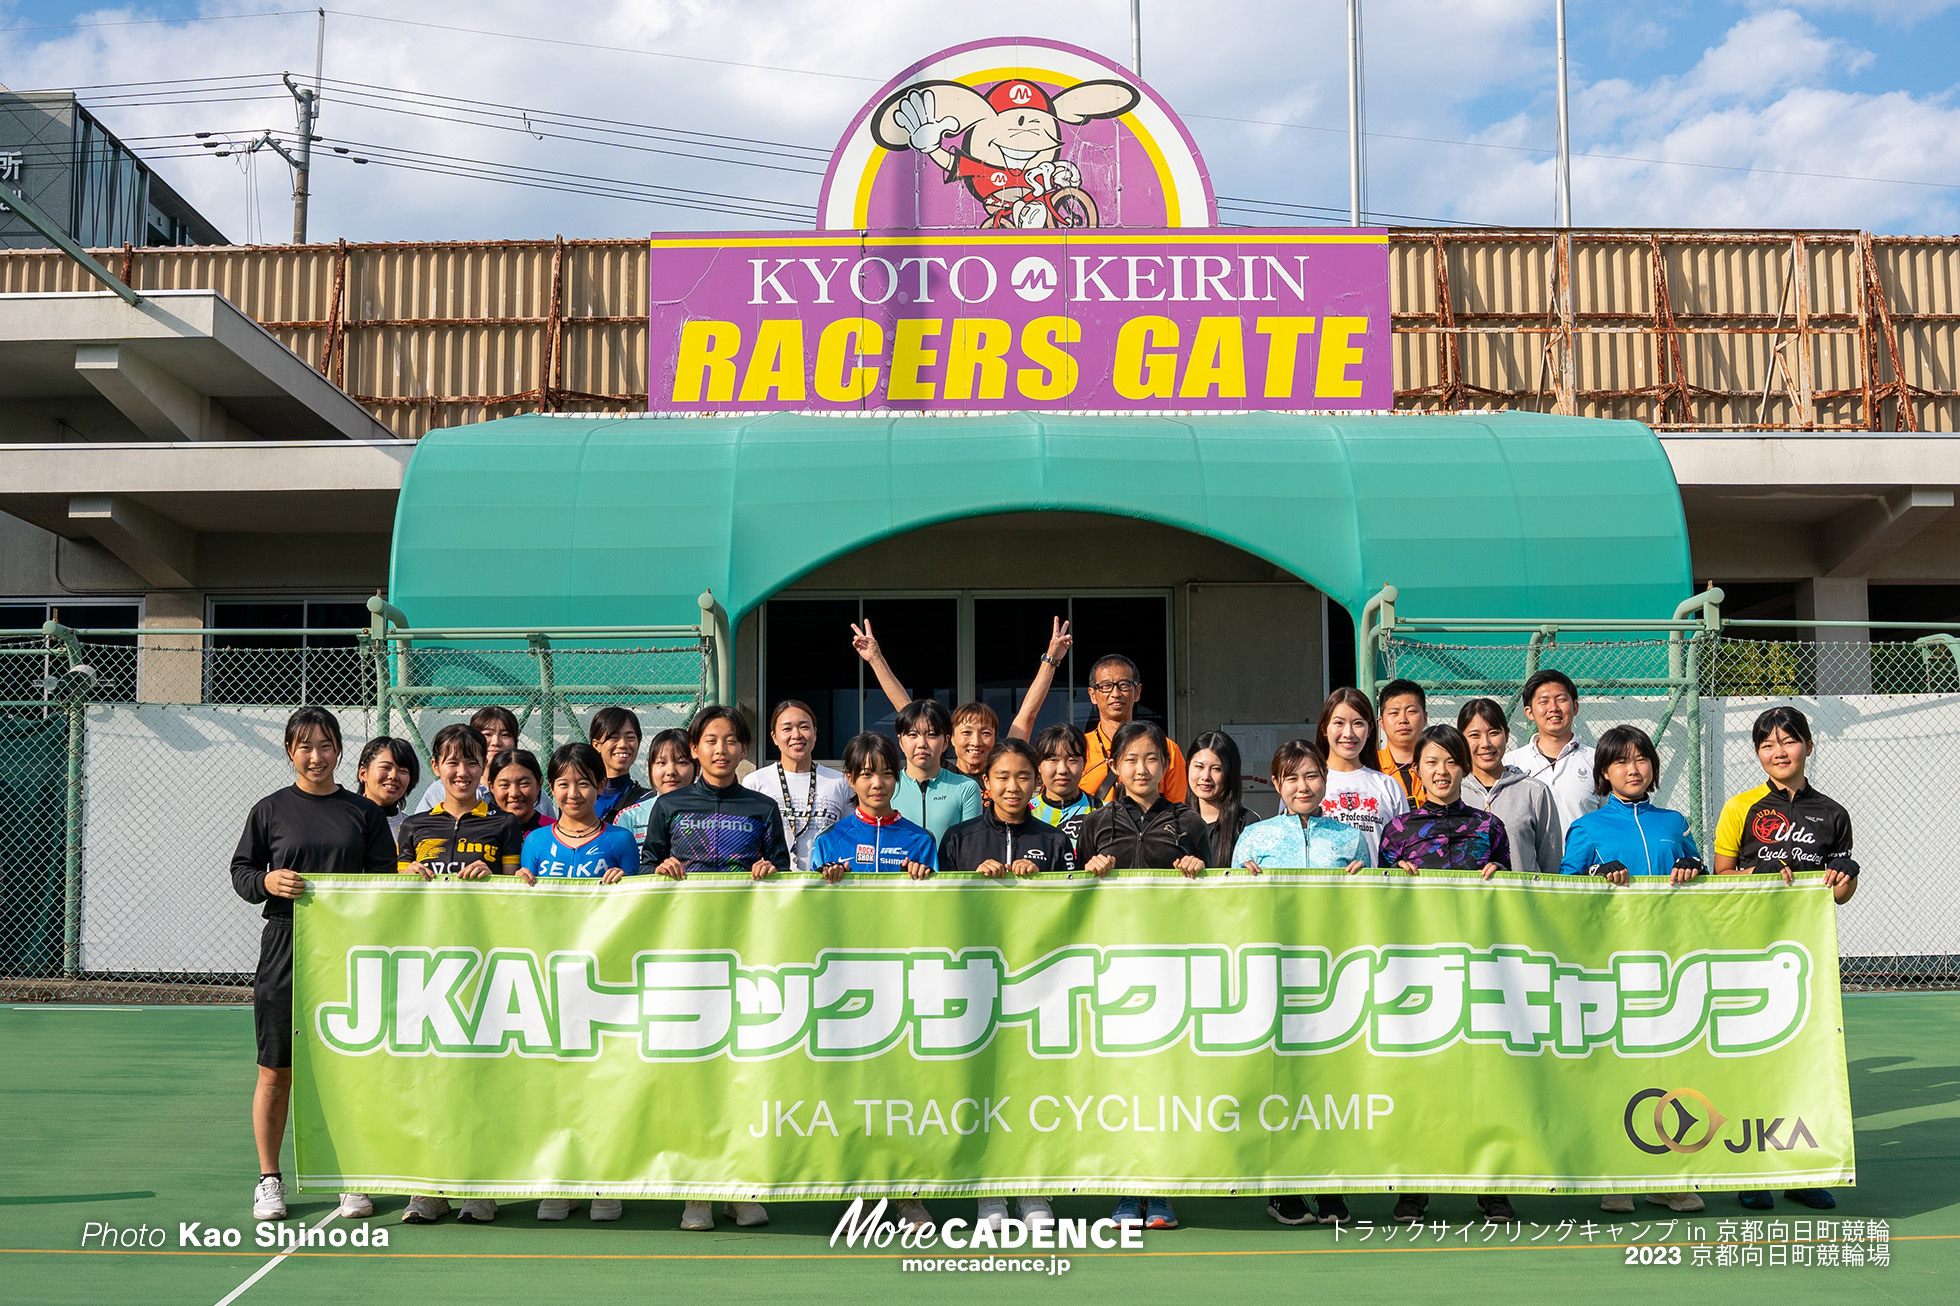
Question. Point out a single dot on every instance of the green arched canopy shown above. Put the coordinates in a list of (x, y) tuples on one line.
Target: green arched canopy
[(548, 522)]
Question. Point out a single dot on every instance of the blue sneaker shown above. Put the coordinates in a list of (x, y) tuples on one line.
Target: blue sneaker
[(1817, 1199), (1129, 1210), (1159, 1215), (1759, 1201)]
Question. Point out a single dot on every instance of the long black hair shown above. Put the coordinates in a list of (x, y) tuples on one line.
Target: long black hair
[(1231, 809)]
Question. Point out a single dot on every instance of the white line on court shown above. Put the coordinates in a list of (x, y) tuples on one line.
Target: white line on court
[(265, 1269)]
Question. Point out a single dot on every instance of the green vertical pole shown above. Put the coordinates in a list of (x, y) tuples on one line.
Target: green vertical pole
[(547, 692), (1697, 813), (71, 852)]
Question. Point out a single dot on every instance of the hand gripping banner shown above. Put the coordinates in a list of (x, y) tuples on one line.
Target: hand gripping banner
[(1285, 1033)]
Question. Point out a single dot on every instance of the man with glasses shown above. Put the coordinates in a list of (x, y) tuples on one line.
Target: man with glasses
[(1116, 688), (1552, 756)]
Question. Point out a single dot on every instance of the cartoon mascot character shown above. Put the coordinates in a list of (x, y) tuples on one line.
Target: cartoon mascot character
[(1005, 145)]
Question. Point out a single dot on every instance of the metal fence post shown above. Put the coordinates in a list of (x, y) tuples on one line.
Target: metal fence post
[(71, 850), (74, 685), (1377, 625), (547, 692)]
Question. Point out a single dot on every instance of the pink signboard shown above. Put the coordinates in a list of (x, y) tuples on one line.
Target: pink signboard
[(1067, 321), (1019, 224)]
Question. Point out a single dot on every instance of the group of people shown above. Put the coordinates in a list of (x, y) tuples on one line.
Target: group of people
[(1376, 786)]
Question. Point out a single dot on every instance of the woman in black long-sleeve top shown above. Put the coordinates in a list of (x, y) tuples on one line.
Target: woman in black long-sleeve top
[(311, 827)]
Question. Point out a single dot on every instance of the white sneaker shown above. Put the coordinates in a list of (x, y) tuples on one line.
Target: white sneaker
[(747, 1215), (425, 1210), (355, 1206), (478, 1210), (993, 1210), (911, 1212), (1678, 1201), (697, 1216), (1617, 1205), (606, 1208), (1035, 1210), (269, 1199), (554, 1208)]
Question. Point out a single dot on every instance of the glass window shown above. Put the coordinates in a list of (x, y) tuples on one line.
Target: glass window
[(1009, 637), (1137, 628), (288, 668), (808, 656), (112, 657)]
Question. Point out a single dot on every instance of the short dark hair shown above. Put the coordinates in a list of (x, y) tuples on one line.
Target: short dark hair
[(399, 751), (1549, 676), (923, 716), (672, 737), (519, 757), (581, 757), (610, 723), (1288, 756), (1349, 696), (1489, 710), (1062, 737), (714, 712), (1111, 660), (1449, 739), (466, 740), (788, 705), (1402, 689), (1010, 748), (1781, 717), (502, 716), (312, 718), (872, 751), (1617, 745), (1130, 732), (976, 712)]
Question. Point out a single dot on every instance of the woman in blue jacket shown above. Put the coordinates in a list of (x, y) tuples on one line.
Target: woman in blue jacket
[(1630, 836)]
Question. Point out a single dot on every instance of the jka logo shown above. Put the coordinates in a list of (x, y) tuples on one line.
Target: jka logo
[(1686, 1133), (1020, 93)]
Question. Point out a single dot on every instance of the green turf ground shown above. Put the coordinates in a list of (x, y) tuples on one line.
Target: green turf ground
[(137, 1116)]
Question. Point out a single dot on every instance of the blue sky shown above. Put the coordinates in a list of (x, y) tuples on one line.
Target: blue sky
[(1820, 113)]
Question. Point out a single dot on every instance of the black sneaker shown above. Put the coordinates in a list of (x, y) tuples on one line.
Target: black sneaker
[(1334, 1210), (1497, 1209), (1411, 1208), (1290, 1210)]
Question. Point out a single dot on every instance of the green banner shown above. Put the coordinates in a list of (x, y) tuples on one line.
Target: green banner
[(1286, 1033)]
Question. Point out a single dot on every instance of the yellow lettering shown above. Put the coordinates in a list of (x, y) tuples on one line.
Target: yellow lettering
[(1331, 380), (1217, 360), (1282, 351), (706, 355), (776, 362), (978, 346), (1054, 373), (835, 351), (1140, 375), (909, 354)]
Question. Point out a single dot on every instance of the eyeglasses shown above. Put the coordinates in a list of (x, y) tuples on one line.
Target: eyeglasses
[(1116, 686)]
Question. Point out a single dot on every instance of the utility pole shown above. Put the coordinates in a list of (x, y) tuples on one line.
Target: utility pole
[(1564, 131), (1354, 110), (307, 103), (1136, 38)]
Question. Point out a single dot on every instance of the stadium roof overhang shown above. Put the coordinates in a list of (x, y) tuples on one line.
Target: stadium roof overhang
[(179, 365), (625, 521)]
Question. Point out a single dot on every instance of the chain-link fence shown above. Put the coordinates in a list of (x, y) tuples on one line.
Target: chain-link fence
[(128, 764), (1883, 714)]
